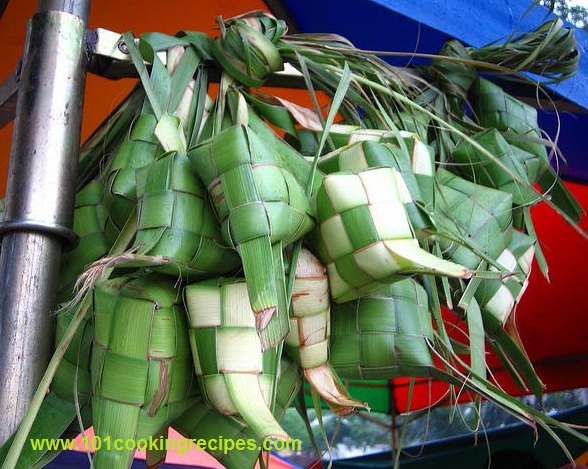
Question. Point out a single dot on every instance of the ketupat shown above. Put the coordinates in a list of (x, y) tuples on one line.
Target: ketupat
[(90, 225), (512, 165), (176, 221), (517, 123), (169, 92), (307, 343), (386, 334), (120, 193), (411, 158), (380, 100), (475, 222), (258, 202), (142, 376), (498, 300), (228, 355), (364, 236), (500, 297), (203, 422)]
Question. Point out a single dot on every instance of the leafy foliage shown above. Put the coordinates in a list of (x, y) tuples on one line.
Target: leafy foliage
[(413, 191)]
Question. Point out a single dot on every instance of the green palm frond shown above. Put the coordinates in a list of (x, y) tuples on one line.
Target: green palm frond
[(410, 191), (364, 235), (385, 334), (142, 374)]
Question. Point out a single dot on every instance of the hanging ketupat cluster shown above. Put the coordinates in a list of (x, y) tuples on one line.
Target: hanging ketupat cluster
[(225, 240)]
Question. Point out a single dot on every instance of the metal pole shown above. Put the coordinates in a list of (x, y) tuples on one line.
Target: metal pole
[(39, 197)]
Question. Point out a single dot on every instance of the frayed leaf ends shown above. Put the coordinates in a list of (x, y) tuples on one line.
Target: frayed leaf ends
[(326, 383)]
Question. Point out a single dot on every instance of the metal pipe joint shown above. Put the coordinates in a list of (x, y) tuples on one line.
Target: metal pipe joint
[(40, 194)]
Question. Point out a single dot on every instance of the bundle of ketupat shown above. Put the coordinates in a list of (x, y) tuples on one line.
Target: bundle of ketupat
[(280, 229)]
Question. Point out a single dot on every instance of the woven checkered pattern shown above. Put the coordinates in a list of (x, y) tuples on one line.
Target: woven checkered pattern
[(89, 225), (496, 108), (141, 365), (355, 221), (521, 166), (202, 421), (394, 152), (364, 236), (258, 202), (120, 187), (481, 215), (175, 220), (227, 353), (383, 335), (498, 298), (307, 342), (253, 196)]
